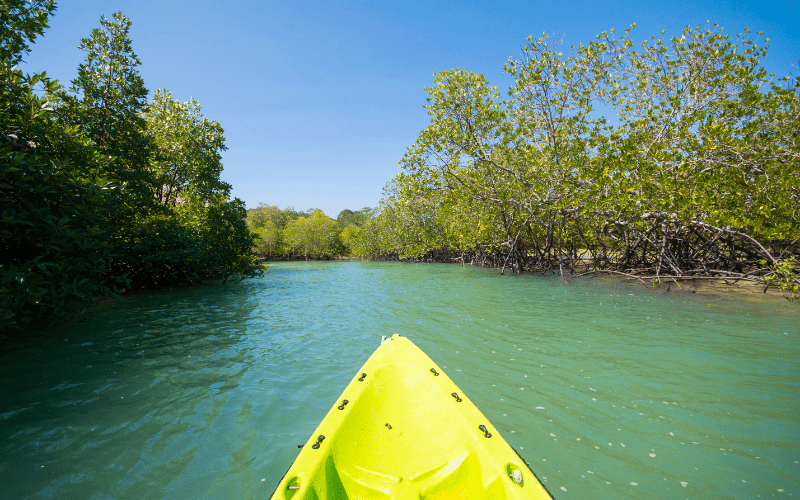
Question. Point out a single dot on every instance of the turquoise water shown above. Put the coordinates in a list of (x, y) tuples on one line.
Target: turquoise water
[(608, 389)]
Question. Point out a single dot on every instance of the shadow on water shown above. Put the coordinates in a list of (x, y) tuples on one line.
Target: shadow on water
[(607, 389)]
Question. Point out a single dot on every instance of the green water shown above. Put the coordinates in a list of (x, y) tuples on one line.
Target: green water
[(608, 390)]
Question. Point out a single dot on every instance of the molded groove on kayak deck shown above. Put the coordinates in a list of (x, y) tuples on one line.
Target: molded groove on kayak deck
[(406, 431)]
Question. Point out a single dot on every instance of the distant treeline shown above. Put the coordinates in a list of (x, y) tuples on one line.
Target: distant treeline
[(696, 177), (286, 234), (101, 190)]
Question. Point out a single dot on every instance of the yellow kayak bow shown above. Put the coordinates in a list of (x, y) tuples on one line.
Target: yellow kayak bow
[(403, 430)]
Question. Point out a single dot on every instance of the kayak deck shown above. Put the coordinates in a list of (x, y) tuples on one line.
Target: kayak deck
[(402, 429)]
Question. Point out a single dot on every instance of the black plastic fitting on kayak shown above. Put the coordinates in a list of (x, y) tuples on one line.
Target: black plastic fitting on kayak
[(458, 399), (433, 370), (363, 375), (320, 438), (344, 402), (486, 432)]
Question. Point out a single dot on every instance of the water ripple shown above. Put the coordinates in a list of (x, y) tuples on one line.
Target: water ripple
[(606, 389)]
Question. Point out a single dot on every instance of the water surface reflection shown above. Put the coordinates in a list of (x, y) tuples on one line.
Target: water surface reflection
[(606, 389)]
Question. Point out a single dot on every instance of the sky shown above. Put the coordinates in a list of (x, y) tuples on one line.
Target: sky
[(320, 99)]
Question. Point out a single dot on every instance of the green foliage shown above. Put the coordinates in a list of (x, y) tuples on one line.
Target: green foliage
[(110, 98), (378, 237), (288, 234), (80, 217), (315, 237), (105, 104), (196, 242), (55, 251), (349, 236), (349, 218), (257, 217), (187, 149), (269, 242), (175, 225), (697, 173), (226, 240), (21, 22), (160, 251), (783, 275)]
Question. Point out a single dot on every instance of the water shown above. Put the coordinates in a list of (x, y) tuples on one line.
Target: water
[(607, 389)]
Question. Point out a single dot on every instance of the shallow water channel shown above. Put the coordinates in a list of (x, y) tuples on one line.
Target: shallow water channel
[(607, 389)]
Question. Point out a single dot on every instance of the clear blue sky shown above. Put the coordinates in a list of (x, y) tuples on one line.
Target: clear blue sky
[(320, 99)]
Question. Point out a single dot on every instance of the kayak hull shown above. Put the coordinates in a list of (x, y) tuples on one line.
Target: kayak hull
[(406, 431)]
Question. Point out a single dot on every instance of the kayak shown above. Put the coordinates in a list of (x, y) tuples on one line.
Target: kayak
[(403, 430)]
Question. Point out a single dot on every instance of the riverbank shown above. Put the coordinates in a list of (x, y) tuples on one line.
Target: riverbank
[(745, 291), (703, 285), (303, 258)]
